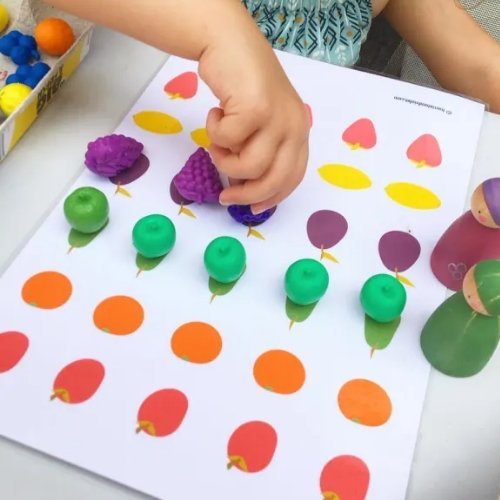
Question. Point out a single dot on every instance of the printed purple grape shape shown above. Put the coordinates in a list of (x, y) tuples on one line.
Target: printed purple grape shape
[(137, 170), (178, 199), (399, 250), (325, 229)]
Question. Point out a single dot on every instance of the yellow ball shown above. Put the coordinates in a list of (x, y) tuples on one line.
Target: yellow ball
[(4, 17), (12, 96)]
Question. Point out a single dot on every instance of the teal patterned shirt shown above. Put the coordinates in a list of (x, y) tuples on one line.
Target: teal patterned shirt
[(328, 30)]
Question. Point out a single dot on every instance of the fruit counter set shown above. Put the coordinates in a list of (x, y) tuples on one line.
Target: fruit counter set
[(462, 349), (87, 210), (204, 350), (39, 49)]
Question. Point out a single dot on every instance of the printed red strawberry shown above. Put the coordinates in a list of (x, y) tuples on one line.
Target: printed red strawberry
[(183, 86), (425, 152), (162, 412), (78, 381), (361, 134), (13, 346), (345, 477), (251, 447)]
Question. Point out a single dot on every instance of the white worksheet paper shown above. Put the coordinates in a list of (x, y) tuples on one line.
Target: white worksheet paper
[(99, 434)]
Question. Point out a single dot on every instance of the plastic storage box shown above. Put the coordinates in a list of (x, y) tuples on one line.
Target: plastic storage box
[(24, 16)]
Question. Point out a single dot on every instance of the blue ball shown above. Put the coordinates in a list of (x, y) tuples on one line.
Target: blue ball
[(14, 34), (6, 45), (14, 78), (35, 54), (24, 70), (27, 41), (40, 69), (20, 55), (32, 81)]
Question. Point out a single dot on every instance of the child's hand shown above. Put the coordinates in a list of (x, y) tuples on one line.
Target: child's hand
[(260, 132)]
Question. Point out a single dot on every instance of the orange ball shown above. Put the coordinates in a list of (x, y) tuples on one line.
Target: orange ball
[(54, 36)]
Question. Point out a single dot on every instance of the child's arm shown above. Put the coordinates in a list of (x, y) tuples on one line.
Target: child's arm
[(260, 132), (460, 54), (179, 27)]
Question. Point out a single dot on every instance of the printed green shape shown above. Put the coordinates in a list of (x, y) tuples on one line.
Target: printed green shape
[(218, 289), (458, 341), (77, 239), (145, 264), (379, 335), (297, 313)]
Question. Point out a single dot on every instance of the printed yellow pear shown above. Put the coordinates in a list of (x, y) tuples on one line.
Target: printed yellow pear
[(157, 122), (344, 176), (200, 137), (413, 196)]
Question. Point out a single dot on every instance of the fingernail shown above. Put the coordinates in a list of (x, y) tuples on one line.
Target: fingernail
[(223, 202)]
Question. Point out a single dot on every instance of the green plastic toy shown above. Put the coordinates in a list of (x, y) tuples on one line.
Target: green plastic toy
[(383, 298), (154, 236), (306, 281), (463, 333), (225, 259)]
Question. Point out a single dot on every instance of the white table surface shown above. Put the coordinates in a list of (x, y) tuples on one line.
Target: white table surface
[(458, 451)]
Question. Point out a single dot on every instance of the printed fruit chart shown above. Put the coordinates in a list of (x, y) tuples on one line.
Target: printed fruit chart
[(150, 374)]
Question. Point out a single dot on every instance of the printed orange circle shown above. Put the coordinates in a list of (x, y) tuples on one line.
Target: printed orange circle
[(364, 402), (47, 290), (279, 371), (196, 342), (119, 315)]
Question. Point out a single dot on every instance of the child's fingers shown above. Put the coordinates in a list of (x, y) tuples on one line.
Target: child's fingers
[(258, 208), (251, 191), (259, 153), (218, 154), (288, 187), (235, 182), (230, 131), (252, 162), (267, 187), (241, 194)]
